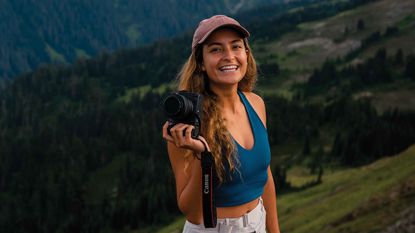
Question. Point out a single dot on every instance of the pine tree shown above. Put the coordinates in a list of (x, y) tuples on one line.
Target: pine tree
[(399, 57)]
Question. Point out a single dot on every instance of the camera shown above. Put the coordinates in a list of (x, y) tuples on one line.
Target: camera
[(183, 107)]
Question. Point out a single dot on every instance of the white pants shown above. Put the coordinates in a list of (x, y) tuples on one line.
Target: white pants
[(254, 221)]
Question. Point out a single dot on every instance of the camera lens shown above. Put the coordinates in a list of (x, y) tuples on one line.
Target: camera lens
[(177, 106)]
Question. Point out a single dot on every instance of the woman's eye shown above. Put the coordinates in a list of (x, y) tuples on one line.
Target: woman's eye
[(215, 50), (237, 46)]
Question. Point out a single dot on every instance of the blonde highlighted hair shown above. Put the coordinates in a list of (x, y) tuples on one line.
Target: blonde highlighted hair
[(192, 78)]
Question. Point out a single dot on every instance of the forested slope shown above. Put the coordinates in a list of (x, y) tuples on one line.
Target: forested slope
[(37, 32), (81, 147)]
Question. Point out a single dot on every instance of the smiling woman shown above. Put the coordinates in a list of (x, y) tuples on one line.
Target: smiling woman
[(221, 68), (224, 58)]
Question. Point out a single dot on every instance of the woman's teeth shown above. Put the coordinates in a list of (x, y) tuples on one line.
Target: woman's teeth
[(228, 68)]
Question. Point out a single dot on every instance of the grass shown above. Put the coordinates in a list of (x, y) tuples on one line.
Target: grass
[(326, 207), (275, 86), (365, 199), (398, 94), (281, 84), (299, 175)]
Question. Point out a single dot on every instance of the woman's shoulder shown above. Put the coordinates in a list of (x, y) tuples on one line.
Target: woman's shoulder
[(255, 100), (258, 104), (253, 97)]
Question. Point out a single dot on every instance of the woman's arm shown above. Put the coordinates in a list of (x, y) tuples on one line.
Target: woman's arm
[(270, 204), (188, 181)]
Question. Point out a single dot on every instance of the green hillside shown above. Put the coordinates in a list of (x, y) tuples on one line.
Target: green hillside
[(313, 42), (306, 48), (81, 150), (365, 199)]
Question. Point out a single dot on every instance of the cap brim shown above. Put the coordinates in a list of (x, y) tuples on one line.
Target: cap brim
[(238, 28)]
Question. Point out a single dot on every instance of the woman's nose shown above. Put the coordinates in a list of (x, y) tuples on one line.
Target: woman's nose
[(228, 53)]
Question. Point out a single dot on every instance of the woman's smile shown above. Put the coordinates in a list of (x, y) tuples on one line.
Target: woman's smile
[(228, 68)]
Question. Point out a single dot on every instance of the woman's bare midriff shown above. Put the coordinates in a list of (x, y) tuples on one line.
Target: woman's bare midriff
[(230, 212), (236, 211)]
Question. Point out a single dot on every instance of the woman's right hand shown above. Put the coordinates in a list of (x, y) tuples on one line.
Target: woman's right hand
[(181, 137)]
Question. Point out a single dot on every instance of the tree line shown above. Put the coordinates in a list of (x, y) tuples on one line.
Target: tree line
[(378, 69)]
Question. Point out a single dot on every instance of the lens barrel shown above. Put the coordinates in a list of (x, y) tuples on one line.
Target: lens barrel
[(177, 106)]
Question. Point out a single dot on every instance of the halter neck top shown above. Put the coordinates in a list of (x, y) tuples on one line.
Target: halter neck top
[(248, 181)]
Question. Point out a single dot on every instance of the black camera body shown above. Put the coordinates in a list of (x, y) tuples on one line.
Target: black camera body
[(184, 107)]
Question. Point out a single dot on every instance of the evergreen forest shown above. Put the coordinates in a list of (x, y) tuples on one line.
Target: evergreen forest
[(81, 148)]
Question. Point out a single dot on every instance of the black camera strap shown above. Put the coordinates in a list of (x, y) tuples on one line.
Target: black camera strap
[(208, 172)]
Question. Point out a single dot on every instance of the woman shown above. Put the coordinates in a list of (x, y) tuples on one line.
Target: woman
[(221, 68)]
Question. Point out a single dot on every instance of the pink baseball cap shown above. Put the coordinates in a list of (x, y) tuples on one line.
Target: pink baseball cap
[(207, 26)]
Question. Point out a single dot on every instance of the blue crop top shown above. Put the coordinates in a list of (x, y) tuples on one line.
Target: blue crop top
[(248, 182)]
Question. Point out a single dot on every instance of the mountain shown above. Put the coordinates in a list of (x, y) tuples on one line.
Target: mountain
[(40, 31), (384, 25), (80, 145)]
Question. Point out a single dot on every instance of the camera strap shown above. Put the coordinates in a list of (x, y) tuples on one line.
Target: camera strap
[(208, 202)]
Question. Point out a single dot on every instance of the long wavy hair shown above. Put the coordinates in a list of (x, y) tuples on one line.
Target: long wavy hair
[(192, 78)]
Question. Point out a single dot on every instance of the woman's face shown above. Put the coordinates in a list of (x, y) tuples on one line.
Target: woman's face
[(225, 57)]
